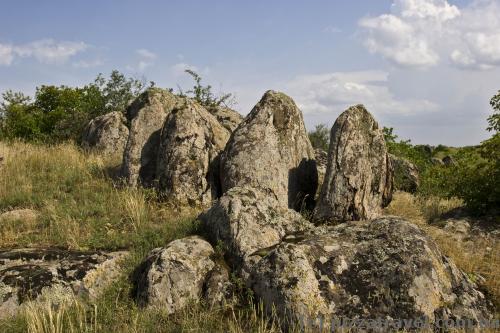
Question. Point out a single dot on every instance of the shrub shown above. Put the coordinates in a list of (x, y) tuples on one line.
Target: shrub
[(60, 113), (320, 137)]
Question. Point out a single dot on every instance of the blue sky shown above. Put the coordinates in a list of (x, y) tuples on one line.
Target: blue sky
[(425, 67)]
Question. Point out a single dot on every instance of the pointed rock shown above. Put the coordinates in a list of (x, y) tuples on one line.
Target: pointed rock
[(270, 150), (358, 179), (188, 157), (146, 116)]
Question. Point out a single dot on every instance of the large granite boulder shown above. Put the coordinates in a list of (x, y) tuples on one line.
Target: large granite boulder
[(385, 268), (188, 156), (406, 174), (227, 117), (248, 222), (358, 179), (29, 273), (107, 134), (146, 116), (183, 272), (270, 150)]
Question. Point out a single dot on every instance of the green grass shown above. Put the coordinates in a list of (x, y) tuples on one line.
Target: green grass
[(81, 207)]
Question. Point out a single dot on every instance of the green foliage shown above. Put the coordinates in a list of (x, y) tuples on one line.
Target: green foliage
[(204, 95), (475, 175), (418, 155), (60, 113), (494, 119), (320, 137)]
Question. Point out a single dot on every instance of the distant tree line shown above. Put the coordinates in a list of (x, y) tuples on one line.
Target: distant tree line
[(474, 177), (60, 113)]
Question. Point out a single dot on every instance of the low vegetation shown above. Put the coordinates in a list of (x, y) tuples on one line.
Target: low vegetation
[(82, 205)]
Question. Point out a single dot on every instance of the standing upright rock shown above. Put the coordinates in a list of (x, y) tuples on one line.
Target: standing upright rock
[(146, 116), (188, 157), (106, 134), (270, 150), (358, 180)]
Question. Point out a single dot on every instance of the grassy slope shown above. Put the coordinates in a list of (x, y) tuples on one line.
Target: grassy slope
[(80, 207)]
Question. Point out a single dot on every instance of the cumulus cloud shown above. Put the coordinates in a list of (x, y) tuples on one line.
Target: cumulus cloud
[(146, 59), (334, 92), (424, 33), (47, 51), (6, 55), (146, 54)]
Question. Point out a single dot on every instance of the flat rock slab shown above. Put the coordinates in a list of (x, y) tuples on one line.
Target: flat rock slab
[(27, 273)]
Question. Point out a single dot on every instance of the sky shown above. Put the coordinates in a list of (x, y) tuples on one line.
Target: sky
[(428, 68)]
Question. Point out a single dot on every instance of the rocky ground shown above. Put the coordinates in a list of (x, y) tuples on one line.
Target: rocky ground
[(306, 235)]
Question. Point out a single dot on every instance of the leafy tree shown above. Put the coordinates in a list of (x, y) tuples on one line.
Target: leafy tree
[(61, 113), (118, 91), (17, 117), (494, 119), (320, 137)]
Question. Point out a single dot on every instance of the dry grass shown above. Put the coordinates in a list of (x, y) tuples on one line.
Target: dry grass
[(79, 205), (479, 257)]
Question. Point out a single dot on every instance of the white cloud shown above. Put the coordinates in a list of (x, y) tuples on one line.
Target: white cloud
[(49, 51), (146, 54), (88, 64), (334, 92), (46, 51), (146, 59), (424, 33), (6, 54)]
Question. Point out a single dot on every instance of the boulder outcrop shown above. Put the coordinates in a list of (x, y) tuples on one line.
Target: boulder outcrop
[(188, 156), (270, 150), (27, 273), (107, 134), (358, 179), (406, 175), (181, 273), (146, 116), (249, 222), (385, 268), (227, 117)]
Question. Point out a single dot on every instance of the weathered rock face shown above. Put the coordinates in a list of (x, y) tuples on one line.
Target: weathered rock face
[(228, 118), (270, 150), (107, 134), (176, 275), (146, 116), (385, 268), (188, 157), (406, 175), (437, 161), (30, 272), (358, 180), (448, 160), (249, 222), (321, 158)]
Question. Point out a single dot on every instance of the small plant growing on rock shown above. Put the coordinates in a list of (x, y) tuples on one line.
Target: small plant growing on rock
[(204, 95)]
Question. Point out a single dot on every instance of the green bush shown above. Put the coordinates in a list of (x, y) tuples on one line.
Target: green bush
[(60, 113), (320, 137)]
